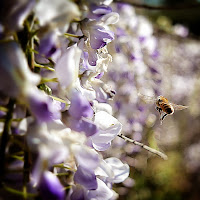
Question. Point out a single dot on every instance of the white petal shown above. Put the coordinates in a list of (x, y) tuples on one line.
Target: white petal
[(102, 191), (120, 170), (111, 18), (104, 120), (67, 67), (61, 11)]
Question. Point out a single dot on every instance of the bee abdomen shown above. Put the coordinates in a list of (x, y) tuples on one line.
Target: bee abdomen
[(167, 109)]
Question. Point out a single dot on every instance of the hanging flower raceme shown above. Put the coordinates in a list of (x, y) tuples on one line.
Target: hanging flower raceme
[(65, 118)]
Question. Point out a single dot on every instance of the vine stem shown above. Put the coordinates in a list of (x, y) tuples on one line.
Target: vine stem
[(5, 137), (154, 151)]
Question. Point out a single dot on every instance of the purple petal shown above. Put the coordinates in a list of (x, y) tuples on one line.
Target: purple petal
[(13, 13), (86, 178), (42, 106), (89, 58), (80, 107), (101, 10), (102, 191), (92, 57), (50, 187), (88, 127), (48, 44), (78, 193), (98, 11), (98, 36), (14, 70), (86, 157), (83, 125)]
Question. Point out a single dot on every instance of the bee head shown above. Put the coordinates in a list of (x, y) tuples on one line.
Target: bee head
[(159, 99)]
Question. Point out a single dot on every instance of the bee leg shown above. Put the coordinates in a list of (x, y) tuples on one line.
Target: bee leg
[(164, 116), (158, 109)]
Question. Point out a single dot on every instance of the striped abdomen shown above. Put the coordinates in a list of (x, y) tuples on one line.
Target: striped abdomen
[(167, 108)]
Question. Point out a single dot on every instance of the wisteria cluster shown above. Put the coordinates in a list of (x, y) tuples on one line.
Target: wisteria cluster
[(55, 113)]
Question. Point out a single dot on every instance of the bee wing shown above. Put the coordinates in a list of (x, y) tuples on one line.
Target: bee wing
[(178, 107), (147, 99)]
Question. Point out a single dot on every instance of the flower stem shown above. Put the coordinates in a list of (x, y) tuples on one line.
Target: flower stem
[(58, 99), (45, 67), (44, 80), (154, 151), (5, 137), (72, 35)]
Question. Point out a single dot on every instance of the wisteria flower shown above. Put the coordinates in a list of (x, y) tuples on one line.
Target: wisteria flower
[(67, 67), (102, 191), (86, 156), (80, 107), (85, 177), (48, 44), (109, 128), (13, 14), (80, 114), (113, 170), (43, 141), (98, 35), (57, 13), (42, 106), (50, 187), (15, 74), (98, 11)]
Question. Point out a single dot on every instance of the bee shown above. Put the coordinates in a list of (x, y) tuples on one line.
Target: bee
[(163, 106)]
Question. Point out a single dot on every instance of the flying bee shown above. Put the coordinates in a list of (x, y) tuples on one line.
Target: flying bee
[(163, 106)]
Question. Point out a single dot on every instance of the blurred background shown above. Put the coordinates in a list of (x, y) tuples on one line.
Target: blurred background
[(157, 53)]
